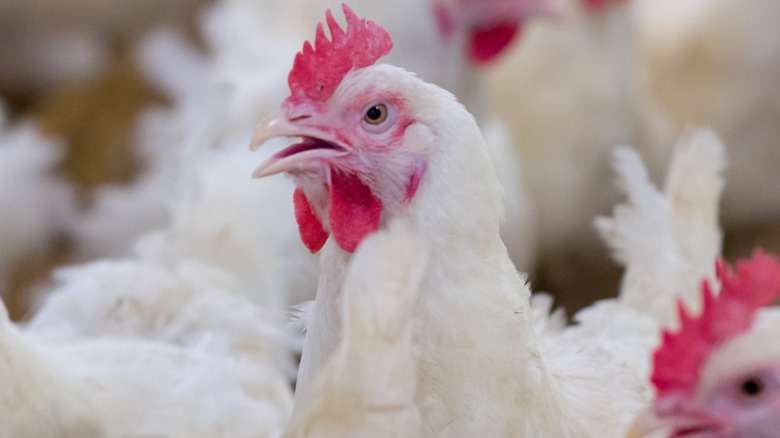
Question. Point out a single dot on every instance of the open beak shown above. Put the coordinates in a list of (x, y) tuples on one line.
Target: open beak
[(678, 425), (317, 144)]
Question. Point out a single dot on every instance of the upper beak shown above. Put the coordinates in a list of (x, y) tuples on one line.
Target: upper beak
[(650, 424), (322, 145)]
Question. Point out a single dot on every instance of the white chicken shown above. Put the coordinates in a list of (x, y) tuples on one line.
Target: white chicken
[(368, 386), (440, 52), (37, 202), (250, 44), (570, 93), (717, 63), (129, 348), (717, 376), (380, 146)]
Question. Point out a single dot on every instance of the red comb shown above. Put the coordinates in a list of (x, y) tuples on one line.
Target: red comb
[(678, 360), (318, 70)]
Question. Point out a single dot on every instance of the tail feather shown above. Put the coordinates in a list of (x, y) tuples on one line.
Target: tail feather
[(667, 241)]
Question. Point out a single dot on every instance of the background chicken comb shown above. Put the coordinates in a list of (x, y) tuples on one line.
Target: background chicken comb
[(318, 70), (678, 360)]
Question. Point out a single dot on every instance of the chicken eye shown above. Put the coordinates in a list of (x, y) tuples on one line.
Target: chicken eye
[(376, 114), (752, 387)]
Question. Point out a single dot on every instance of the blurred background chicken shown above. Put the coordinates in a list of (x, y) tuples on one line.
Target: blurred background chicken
[(717, 375), (606, 73), (570, 93), (133, 348), (712, 62)]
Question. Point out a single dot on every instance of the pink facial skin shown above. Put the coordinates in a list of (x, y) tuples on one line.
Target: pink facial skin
[(341, 151)]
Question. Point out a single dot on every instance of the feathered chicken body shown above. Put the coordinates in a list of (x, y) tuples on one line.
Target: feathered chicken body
[(368, 387), (132, 348), (380, 144)]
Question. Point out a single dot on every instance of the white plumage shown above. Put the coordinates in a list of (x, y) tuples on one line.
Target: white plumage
[(570, 92), (368, 386), (668, 240), (473, 304), (427, 329), (37, 202), (716, 63), (604, 359), (132, 348), (591, 378)]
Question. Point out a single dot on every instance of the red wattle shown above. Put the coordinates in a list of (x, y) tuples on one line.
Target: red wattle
[(354, 210), (488, 42), (312, 232)]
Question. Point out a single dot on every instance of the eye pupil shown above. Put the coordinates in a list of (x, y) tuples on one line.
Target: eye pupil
[(752, 386), (376, 114)]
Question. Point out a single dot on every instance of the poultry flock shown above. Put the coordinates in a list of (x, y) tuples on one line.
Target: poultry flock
[(464, 172)]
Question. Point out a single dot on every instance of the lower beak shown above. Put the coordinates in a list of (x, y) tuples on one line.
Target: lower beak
[(317, 146)]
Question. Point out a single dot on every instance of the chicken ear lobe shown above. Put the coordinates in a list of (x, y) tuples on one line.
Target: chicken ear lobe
[(354, 210)]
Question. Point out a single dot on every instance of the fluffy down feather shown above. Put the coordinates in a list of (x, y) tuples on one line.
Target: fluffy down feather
[(36, 203), (132, 348), (668, 240)]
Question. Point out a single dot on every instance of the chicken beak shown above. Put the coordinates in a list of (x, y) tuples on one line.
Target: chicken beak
[(318, 145), (274, 125)]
